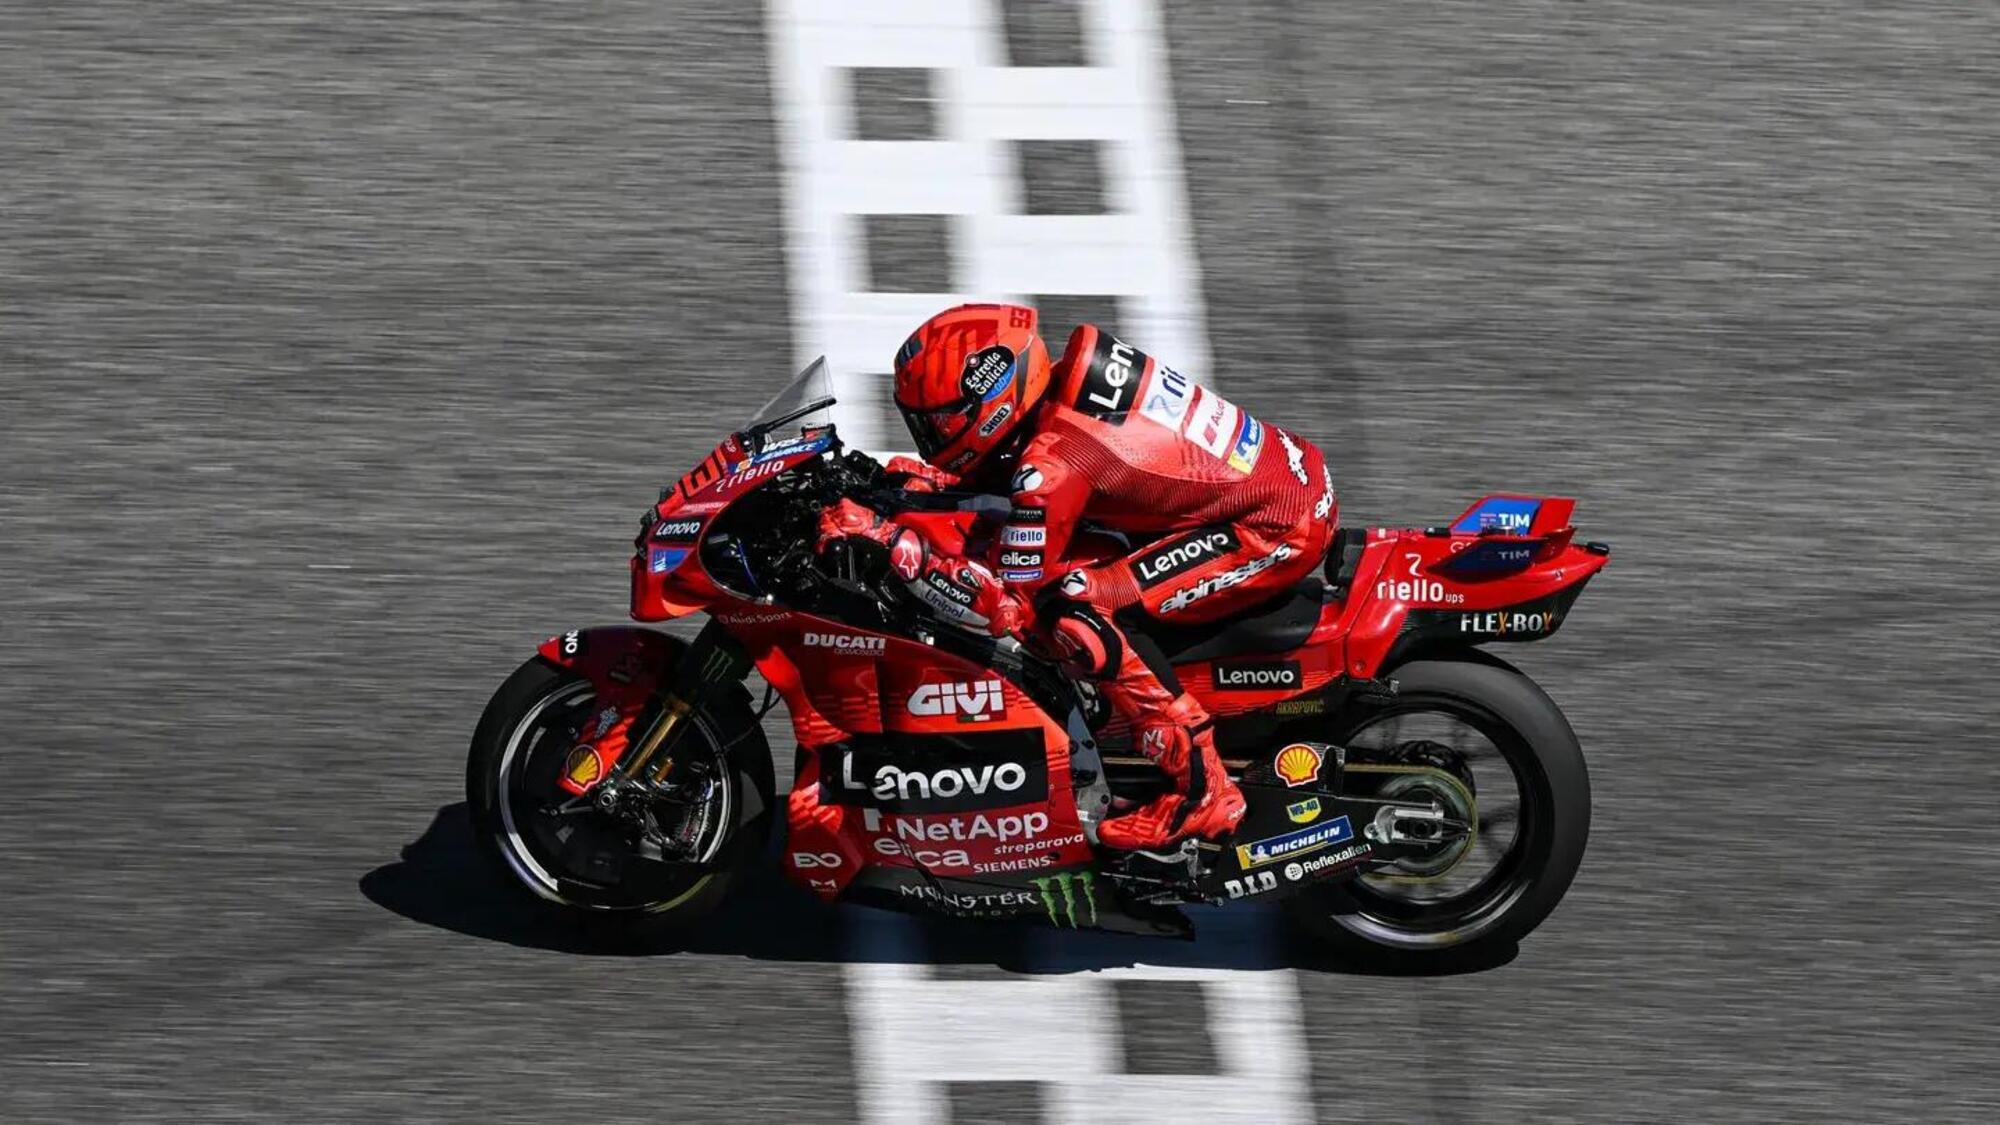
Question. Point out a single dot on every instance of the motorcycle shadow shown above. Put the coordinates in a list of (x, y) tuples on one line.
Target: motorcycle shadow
[(441, 880)]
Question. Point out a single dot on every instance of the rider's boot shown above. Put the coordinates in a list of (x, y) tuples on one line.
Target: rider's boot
[(1203, 801)]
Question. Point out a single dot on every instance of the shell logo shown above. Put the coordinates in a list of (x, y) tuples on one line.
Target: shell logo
[(1297, 764), (584, 767)]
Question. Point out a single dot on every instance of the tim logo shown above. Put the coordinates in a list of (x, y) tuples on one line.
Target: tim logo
[(973, 703), (1507, 514)]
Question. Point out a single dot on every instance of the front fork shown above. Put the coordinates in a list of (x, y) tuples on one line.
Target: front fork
[(611, 765)]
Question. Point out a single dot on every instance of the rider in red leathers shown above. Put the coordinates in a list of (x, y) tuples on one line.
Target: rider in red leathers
[(1223, 512)]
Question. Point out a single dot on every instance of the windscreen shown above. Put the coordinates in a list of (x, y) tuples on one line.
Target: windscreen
[(814, 384)]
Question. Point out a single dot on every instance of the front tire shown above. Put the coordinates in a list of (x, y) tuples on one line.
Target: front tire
[(510, 772), (1360, 919)]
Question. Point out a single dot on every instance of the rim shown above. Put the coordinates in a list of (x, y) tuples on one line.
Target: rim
[(529, 761), (1423, 910)]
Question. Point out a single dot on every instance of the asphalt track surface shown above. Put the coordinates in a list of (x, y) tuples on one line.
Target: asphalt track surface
[(341, 345)]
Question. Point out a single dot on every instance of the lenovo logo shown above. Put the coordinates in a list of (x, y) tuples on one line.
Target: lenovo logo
[(1183, 555), (1271, 675)]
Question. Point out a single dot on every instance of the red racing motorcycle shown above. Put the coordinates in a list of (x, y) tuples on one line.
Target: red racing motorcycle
[(1409, 794)]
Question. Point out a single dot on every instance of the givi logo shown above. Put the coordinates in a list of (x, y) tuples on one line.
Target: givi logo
[(975, 702)]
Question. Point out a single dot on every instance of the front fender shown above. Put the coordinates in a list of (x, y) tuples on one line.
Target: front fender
[(620, 661), (626, 666)]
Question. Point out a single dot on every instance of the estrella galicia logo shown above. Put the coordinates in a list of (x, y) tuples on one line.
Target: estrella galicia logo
[(1178, 556), (1510, 515), (1276, 849), (1258, 675), (988, 372)]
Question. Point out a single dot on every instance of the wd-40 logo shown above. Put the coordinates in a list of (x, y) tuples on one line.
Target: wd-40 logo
[(975, 702), (1060, 894)]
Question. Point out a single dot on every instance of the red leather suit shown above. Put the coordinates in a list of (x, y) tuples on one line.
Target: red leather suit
[(1221, 511)]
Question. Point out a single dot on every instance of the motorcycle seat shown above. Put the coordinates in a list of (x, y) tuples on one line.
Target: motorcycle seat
[(1278, 625)]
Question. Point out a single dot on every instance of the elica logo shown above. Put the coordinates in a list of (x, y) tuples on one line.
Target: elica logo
[(1500, 624), (976, 702), (1183, 555), (1263, 676), (1019, 559), (924, 857), (848, 644), (896, 783)]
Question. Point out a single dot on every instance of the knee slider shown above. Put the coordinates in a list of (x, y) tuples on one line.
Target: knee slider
[(1088, 643)]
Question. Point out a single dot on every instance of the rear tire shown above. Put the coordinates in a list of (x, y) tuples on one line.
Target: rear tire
[(498, 759), (1347, 918)]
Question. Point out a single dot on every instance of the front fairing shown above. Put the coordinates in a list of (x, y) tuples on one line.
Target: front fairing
[(669, 578)]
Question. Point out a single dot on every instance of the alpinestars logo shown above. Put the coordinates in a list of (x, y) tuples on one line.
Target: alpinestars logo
[(1072, 887), (1183, 555), (1295, 456), (1233, 577), (972, 703), (1027, 479)]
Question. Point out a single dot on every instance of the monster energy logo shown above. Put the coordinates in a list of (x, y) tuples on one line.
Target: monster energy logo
[(1069, 885), (715, 666)]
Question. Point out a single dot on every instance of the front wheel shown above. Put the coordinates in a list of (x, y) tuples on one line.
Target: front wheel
[(593, 866), (1523, 775)]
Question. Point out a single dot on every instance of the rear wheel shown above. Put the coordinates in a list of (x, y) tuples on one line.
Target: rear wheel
[(596, 866), (1502, 755)]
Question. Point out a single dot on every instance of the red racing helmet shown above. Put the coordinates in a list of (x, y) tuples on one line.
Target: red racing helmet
[(967, 378)]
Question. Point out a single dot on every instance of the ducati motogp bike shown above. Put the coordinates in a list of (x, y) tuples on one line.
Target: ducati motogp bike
[(1410, 795)]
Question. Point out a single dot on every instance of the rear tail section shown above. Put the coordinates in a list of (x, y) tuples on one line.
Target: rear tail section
[(1507, 568)]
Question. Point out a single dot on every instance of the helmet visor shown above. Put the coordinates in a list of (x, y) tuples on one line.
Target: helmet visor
[(934, 428)]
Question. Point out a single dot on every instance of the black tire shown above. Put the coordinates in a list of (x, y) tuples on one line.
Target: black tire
[(734, 732), (1548, 767)]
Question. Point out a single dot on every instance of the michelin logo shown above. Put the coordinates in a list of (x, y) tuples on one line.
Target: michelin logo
[(1277, 849)]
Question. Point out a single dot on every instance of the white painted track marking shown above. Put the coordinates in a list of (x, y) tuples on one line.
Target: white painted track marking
[(911, 1032), (1141, 253)]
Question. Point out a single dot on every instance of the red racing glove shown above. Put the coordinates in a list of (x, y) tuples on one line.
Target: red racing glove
[(918, 476), (848, 520), (961, 592)]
